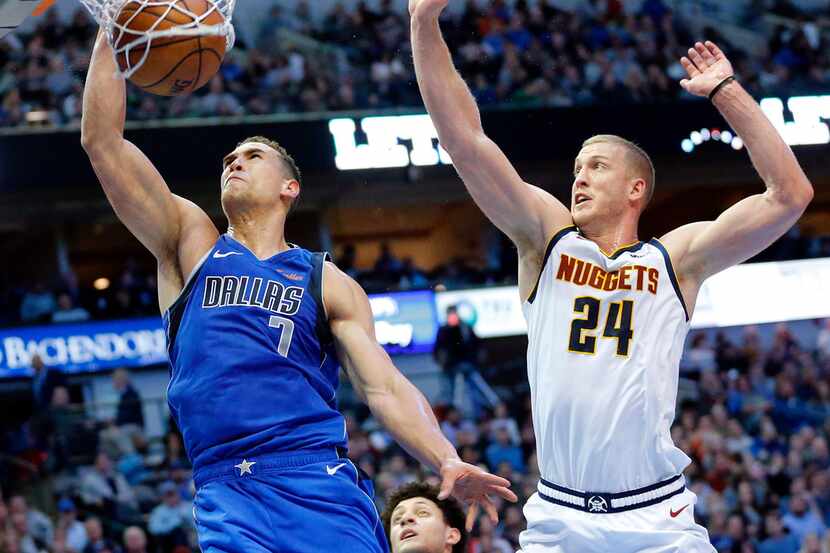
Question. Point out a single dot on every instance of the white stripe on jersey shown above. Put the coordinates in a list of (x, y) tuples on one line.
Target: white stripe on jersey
[(605, 338)]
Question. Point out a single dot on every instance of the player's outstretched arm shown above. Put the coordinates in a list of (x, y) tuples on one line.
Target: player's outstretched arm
[(397, 403), (175, 230), (702, 249), (525, 213)]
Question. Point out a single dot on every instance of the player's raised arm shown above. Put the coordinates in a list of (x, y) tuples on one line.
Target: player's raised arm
[(397, 404), (175, 230), (135, 189), (753, 224), (525, 213)]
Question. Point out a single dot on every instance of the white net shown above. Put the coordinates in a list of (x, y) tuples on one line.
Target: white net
[(106, 13)]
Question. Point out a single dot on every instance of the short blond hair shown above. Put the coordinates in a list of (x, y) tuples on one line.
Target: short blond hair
[(638, 159)]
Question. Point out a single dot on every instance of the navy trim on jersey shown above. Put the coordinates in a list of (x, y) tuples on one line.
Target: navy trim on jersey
[(656, 243), (176, 311), (553, 241), (607, 497), (315, 288), (631, 248)]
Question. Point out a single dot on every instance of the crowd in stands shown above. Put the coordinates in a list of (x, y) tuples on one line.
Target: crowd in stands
[(521, 54), (132, 293), (754, 419)]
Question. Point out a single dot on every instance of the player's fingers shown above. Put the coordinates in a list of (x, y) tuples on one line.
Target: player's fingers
[(493, 480), (697, 60), (447, 484), (704, 52), (685, 84), (689, 66), (490, 509), (472, 515), (503, 492), (717, 52)]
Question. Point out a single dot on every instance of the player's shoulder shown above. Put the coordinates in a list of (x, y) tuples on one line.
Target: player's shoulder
[(676, 242), (342, 295)]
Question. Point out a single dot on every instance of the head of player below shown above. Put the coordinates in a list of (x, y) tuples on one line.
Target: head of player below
[(613, 183), (416, 521), (259, 180)]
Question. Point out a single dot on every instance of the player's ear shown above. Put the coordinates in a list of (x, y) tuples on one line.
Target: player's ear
[(291, 188), (638, 189), (453, 536)]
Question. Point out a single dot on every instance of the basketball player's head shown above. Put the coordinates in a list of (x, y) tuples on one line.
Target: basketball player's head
[(416, 521), (259, 175), (613, 177)]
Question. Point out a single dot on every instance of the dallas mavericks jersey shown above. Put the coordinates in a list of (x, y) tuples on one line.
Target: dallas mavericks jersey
[(605, 338), (253, 367)]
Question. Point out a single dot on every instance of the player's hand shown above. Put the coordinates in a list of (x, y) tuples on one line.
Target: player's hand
[(473, 487), (427, 8), (707, 66)]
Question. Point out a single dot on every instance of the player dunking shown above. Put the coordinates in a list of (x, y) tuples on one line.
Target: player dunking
[(608, 314), (255, 328)]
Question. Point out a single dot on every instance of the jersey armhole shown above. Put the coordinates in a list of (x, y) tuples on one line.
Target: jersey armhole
[(315, 287), (672, 276), (175, 312), (553, 241)]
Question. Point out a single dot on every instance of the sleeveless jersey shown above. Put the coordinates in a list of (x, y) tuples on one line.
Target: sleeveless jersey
[(253, 370), (605, 338)]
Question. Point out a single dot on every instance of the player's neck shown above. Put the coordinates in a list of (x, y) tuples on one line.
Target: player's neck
[(611, 237), (265, 238)]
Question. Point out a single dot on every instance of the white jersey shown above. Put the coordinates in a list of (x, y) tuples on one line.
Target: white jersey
[(606, 333)]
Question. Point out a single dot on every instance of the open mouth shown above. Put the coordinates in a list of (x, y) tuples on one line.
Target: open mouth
[(406, 534), (581, 199)]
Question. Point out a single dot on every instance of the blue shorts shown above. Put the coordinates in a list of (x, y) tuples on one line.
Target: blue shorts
[(302, 502)]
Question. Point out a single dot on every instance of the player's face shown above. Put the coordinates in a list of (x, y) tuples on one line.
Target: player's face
[(254, 174), (417, 526), (600, 176)]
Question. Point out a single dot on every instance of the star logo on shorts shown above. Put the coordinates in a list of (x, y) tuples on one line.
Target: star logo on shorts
[(245, 467)]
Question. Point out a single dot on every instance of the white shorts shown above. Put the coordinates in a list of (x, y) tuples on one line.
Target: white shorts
[(553, 528)]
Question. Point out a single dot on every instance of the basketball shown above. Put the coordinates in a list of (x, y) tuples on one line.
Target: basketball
[(175, 65)]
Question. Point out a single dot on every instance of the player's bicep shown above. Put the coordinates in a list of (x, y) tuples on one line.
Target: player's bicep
[(139, 195), (523, 212), (369, 367), (739, 233)]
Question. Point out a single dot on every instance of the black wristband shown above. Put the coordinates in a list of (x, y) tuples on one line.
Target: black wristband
[(721, 84)]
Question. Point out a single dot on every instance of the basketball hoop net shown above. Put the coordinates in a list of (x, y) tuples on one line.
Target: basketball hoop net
[(106, 12)]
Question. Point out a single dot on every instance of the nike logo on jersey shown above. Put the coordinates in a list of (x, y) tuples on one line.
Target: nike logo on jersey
[(221, 255), (333, 470), (674, 513)]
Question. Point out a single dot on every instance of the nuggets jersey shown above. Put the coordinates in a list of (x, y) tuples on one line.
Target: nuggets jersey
[(605, 338), (253, 371)]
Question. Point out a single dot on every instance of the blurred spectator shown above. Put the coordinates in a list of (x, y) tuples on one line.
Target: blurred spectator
[(458, 353), (777, 540), (44, 381), (107, 492), (67, 312), (25, 542), (38, 304), (130, 409), (502, 451), (172, 520), (135, 540), (803, 518), (76, 538), (95, 534), (34, 527)]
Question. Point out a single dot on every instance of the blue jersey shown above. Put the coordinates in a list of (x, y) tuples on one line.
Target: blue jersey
[(253, 366)]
